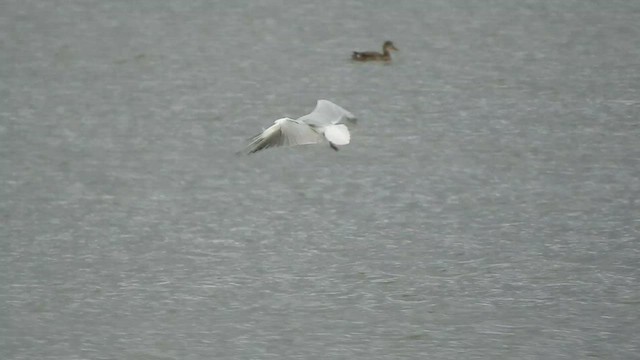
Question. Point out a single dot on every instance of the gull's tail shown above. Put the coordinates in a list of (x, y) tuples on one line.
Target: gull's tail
[(337, 134)]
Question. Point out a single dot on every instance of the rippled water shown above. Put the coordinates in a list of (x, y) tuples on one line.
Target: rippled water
[(487, 207)]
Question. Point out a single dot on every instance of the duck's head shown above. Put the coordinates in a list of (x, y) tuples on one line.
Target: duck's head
[(388, 45)]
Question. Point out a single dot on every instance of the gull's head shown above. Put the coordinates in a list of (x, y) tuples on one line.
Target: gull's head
[(388, 45), (280, 121)]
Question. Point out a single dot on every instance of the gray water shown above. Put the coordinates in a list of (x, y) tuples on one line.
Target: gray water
[(487, 207)]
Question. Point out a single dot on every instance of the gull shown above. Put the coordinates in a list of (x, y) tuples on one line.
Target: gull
[(327, 121)]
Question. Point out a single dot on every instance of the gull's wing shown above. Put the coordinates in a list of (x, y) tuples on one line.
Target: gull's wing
[(284, 132), (327, 113)]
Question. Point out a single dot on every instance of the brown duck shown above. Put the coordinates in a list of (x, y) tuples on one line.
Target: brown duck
[(374, 55)]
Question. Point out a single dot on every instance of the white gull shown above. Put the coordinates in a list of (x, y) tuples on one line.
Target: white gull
[(327, 121)]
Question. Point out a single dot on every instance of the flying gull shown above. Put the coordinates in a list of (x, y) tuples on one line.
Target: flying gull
[(327, 121)]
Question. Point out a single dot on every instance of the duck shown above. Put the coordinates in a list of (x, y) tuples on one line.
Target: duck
[(374, 55)]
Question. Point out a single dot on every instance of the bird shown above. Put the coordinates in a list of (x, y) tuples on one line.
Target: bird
[(374, 55), (327, 122)]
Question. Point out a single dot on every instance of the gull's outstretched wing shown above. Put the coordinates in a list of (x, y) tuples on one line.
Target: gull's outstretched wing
[(284, 132), (327, 113)]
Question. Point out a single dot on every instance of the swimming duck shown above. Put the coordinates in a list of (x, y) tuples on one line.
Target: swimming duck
[(375, 56)]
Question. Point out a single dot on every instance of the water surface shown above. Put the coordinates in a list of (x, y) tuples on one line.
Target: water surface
[(487, 207)]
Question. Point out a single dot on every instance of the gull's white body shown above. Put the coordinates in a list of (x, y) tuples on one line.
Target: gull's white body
[(327, 121)]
